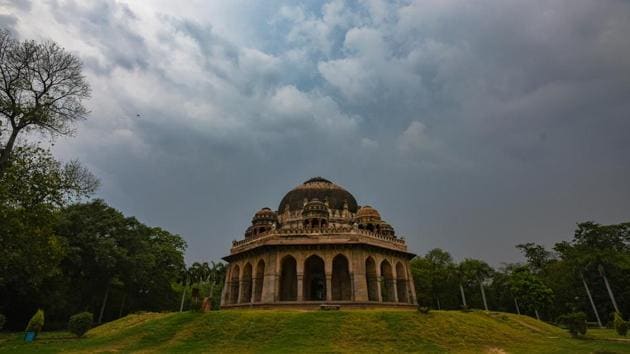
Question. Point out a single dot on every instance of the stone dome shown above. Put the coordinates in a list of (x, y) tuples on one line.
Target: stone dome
[(368, 213), (321, 189)]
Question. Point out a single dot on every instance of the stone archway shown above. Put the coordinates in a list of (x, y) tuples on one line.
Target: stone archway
[(387, 288), (246, 296), (401, 283), (234, 284), (341, 284), (259, 281), (371, 279), (288, 279), (314, 279)]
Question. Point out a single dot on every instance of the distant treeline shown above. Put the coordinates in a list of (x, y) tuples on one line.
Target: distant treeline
[(589, 274)]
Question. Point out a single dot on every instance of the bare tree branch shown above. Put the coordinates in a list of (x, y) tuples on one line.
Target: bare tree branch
[(41, 87)]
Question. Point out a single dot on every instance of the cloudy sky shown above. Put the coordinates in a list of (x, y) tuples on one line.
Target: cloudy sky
[(470, 125)]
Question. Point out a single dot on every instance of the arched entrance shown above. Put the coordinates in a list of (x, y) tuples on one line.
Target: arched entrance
[(314, 279), (387, 288), (234, 285), (259, 280), (246, 297), (371, 279), (341, 284), (401, 283), (288, 279)]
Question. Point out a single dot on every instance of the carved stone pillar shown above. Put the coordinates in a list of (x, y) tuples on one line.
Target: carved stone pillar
[(300, 287), (328, 287)]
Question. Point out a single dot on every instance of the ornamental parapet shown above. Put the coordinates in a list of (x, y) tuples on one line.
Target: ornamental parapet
[(332, 235)]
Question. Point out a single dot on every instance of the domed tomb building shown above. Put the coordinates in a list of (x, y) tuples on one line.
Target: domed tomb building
[(319, 247)]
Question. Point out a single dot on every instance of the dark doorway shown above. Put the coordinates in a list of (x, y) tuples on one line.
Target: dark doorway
[(234, 285), (314, 279), (288, 279), (371, 278), (341, 284), (247, 284), (259, 280), (387, 287)]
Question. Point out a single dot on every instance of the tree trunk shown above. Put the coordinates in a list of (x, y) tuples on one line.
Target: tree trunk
[(181, 306), (610, 293), (537, 316), (518, 310), (5, 152), (100, 316), (461, 290), (588, 292), (483, 295), (122, 305), (438, 303)]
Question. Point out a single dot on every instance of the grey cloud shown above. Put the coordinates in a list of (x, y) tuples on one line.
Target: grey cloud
[(471, 127)]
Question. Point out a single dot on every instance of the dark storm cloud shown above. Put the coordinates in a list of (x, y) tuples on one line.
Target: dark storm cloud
[(471, 126)]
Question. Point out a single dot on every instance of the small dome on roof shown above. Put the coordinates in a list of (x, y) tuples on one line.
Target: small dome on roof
[(368, 213), (265, 216)]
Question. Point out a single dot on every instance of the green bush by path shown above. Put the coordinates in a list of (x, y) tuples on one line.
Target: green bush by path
[(356, 331), (80, 323), (621, 326)]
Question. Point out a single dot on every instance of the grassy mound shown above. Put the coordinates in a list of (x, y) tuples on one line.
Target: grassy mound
[(336, 331)]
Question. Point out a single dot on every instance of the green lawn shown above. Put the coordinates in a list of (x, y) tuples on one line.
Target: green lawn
[(249, 331)]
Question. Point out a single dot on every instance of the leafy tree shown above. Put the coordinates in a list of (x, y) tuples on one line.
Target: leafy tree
[(41, 88), (537, 256), (435, 280), (473, 271), (35, 178), (111, 253), (531, 292)]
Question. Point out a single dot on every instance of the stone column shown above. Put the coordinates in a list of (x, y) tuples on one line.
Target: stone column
[(328, 270), (328, 286), (224, 291), (240, 285), (359, 277), (379, 280), (300, 286), (269, 279), (299, 268), (255, 281), (412, 288)]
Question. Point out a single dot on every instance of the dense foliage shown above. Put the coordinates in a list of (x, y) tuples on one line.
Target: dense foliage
[(80, 323), (549, 284), (67, 256), (59, 252)]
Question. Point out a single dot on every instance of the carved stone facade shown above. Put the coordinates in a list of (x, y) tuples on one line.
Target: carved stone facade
[(319, 248)]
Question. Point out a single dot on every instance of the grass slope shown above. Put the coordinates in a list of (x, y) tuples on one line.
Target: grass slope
[(335, 331)]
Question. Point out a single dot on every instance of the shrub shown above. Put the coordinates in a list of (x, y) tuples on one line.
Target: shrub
[(3, 319), (80, 323), (621, 326), (423, 309), (575, 323), (37, 322)]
